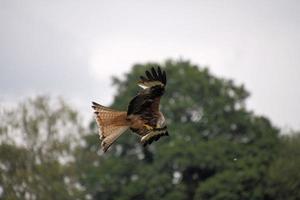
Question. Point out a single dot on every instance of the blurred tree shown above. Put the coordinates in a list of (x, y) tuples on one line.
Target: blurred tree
[(216, 149), (37, 139), (283, 175)]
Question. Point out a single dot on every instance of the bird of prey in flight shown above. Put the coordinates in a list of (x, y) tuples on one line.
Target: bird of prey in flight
[(143, 116)]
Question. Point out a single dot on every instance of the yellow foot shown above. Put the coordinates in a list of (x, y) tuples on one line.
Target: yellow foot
[(148, 127)]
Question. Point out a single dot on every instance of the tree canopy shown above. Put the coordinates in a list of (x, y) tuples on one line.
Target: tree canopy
[(217, 148), (37, 140)]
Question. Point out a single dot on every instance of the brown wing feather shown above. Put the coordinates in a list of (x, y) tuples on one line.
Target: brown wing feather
[(147, 101), (155, 105)]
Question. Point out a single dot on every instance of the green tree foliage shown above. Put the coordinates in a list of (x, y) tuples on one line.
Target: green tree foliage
[(36, 151), (283, 175), (217, 149)]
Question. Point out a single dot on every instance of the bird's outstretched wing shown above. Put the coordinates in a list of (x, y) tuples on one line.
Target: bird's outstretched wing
[(147, 101), (145, 106), (153, 78)]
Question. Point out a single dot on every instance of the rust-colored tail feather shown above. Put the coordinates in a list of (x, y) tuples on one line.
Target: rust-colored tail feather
[(111, 124)]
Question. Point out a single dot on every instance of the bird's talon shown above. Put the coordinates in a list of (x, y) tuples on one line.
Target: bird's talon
[(148, 127)]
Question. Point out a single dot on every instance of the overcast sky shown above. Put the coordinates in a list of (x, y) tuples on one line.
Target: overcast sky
[(72, 48)]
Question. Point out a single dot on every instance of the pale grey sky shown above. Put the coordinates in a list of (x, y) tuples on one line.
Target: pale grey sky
[(72, 48)]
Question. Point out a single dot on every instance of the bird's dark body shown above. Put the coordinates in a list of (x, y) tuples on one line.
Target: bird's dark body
[(144, 107)]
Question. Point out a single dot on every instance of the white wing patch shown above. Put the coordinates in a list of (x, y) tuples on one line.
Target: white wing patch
[(149, 84)]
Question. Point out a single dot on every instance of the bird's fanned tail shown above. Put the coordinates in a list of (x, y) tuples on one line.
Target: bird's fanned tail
[(111, 124)]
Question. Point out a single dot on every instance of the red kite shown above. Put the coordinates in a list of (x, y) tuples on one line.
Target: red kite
[(143, 116)]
